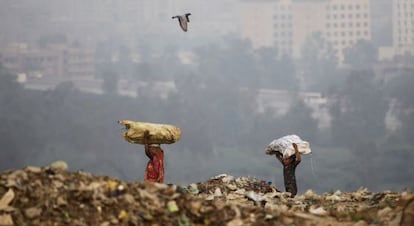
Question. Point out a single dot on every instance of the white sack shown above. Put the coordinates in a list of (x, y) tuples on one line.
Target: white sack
[(284, 146)]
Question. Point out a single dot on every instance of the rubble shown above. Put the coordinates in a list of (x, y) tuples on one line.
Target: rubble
[(55, 196)]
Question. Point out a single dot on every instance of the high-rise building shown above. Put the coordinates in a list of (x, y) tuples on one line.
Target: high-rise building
[(346, 22), (403, 26), (256, 22), (286, 24)]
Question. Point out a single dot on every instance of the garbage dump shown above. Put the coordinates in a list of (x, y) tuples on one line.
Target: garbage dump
[(55, 196)]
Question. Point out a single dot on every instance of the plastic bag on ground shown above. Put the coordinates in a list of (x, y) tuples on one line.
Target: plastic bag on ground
[(284, 146)]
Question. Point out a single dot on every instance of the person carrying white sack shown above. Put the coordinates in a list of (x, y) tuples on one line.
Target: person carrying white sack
[(287, 152), (289, 168)]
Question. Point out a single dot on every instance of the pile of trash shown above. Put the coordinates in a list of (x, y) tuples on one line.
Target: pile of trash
[(53, 195)]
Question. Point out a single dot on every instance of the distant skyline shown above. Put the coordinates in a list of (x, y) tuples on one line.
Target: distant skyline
[(132, 22)]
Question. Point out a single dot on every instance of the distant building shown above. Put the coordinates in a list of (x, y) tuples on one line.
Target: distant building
[(402, 31), (347, 21), (286, 24), (77, 62), (256, 18), (403, 26), (53, 61), (278, 102)]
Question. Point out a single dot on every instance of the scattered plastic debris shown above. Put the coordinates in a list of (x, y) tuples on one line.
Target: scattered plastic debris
[(36, 196)]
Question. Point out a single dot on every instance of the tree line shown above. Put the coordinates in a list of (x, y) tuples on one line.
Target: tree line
[(216, 109)]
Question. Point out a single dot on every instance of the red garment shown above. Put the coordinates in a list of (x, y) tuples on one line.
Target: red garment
[(155, 167)]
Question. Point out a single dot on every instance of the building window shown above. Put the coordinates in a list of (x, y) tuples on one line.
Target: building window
[(357, 6), (350, 16), (343, 24), (351, 24), (351, 33), (365, 24), (342, 7), (328, 25), (350, 7)]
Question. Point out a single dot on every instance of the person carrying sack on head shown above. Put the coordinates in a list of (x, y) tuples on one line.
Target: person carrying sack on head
[(155, 166), (289, 168)]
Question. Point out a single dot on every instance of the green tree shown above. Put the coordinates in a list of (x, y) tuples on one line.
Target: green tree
[(274, 72), (51, 39), (230, 63), (361, 55), (110, 81), (318, 62), (8, 83), (400, 90), (299, 120), (358, 110)]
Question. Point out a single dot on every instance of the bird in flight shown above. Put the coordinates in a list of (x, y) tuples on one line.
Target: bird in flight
[(183, 20)]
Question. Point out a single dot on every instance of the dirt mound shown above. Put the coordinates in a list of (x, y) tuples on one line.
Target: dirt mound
[(54, 196)]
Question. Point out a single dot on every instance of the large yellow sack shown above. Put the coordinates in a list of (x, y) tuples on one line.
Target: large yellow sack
[(159, 133)]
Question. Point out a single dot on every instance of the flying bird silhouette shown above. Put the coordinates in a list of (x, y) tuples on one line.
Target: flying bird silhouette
[(183, 20)]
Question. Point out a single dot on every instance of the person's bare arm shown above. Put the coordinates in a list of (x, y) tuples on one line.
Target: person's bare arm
[(297, 153), (279, 156), (146, 144)]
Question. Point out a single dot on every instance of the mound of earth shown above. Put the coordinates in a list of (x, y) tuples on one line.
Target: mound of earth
[(55, 196)]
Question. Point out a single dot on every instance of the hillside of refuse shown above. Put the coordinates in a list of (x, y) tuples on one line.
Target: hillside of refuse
[(52, 195)]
